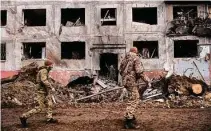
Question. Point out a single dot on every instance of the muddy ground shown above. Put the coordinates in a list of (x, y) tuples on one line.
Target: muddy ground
[(108, 117)]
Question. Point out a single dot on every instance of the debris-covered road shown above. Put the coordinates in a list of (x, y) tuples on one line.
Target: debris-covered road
[(109, 116)]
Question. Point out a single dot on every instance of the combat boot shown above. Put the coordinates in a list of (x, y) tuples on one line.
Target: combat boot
[(23, 121), (52, 120), (131, 123)]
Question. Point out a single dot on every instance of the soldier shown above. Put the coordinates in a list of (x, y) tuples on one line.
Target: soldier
[(131, 71), (44, 95)]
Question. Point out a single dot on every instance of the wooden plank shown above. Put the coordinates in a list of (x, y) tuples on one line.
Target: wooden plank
[(101, 84)]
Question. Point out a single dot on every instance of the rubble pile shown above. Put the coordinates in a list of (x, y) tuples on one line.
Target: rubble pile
[(184, 25), (184, 85), (179, 91), (18, 93), (21, 89), (85, 86), (175, 91)]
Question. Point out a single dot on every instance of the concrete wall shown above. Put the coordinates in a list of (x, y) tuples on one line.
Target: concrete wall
[(98, 39)]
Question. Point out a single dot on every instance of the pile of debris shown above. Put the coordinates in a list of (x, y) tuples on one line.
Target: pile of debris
[(88, 89), (21, 89), (185, 25), (12, 87), (174, 91), (181, 91)]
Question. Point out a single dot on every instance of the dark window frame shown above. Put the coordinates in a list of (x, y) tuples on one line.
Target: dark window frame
[(4, 51), (70, 50), (4, 15), (135, 10), (81, 11), (29, 13), (26, 47), (105, 19), (186, 49), (154, 52)]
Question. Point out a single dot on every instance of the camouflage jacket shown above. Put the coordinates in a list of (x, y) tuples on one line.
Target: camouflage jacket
[(131, 69), (42, 80)]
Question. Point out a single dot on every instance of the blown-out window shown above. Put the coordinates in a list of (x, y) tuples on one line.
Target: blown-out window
[(185, 48), (34, 50), (73, 50), (34, 17), (147, 49), (73, 17)]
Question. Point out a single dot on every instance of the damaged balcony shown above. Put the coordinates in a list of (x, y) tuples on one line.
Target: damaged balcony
[(187, 20)]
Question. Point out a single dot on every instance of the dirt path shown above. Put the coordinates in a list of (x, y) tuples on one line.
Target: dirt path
[(108, 117)]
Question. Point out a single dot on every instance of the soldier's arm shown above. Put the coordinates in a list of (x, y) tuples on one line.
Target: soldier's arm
[(140, 70), (44, 78), (138, 67)]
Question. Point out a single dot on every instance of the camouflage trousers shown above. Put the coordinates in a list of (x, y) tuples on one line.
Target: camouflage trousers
[(45, 102), (132, 102)]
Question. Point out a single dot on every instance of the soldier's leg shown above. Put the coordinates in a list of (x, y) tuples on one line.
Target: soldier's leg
[(130, 120), (37, 109), (49, 107), (50, 118), (41, 102), (132, 103)]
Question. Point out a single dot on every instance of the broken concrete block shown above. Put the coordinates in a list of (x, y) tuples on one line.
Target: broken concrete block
[(101, 84), (69, 23)]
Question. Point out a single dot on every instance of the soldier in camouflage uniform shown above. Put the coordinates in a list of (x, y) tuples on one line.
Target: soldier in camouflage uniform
[(44, 96), (131, 71)]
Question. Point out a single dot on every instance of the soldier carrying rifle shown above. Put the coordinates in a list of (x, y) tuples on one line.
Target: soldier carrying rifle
[(44, 95)]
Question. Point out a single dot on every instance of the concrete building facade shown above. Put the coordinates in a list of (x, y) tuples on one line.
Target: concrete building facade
[(86, 36)]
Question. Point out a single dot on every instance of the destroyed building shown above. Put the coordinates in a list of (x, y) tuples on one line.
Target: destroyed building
[(83, 37)]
